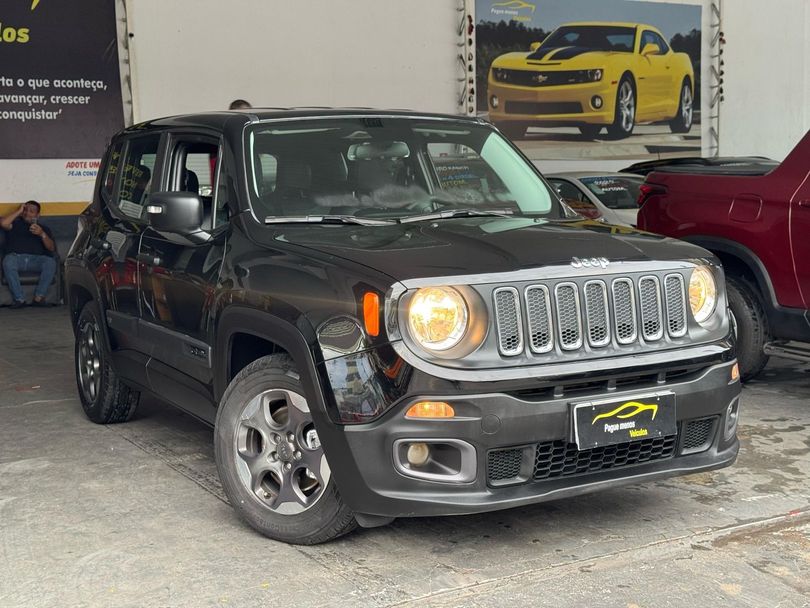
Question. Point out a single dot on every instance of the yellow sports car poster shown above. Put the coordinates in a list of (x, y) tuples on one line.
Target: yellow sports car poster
[(583, 79)]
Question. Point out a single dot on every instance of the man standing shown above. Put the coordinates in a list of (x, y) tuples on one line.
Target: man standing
[(29, 247)]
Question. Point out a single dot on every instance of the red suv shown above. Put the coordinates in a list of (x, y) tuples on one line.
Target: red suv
[(756, 219)]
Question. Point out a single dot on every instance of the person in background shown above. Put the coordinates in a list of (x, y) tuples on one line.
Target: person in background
[(29, 246), (239, 104)]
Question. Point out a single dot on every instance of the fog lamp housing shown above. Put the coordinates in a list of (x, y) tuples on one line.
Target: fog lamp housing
[(494, 102), (732, 417), (596, 101), (440, 460)]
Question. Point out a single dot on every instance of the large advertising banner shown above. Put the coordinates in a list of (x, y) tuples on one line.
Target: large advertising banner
[(60, 90), (585, 79)]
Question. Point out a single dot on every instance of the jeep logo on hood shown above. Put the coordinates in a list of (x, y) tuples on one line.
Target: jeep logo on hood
[(590, 262)]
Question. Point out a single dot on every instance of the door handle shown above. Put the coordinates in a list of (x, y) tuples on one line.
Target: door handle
[(805, 203), (148, 258)]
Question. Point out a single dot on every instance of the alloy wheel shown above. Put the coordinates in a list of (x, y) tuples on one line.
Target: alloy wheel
[(280, 460), (686, 106), (627, 106), (89, 362)]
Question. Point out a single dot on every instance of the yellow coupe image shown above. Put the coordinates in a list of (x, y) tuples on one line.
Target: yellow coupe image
[(593, 75)]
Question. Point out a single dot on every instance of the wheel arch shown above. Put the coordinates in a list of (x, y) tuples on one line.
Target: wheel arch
[(741, 262), (245, 334), (82, 288)]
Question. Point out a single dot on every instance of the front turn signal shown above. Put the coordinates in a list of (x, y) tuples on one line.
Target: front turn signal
[(371, 313), (430, 409), (735, 372)]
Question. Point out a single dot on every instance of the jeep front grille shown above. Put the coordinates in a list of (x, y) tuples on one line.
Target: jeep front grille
[(508, 321), (594, 313)]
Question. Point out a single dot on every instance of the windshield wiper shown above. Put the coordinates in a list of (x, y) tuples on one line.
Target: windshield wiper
[(326, 219), (449, 213)]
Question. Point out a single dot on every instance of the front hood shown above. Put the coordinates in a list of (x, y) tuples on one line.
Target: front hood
[(476, 245), (565, 58)]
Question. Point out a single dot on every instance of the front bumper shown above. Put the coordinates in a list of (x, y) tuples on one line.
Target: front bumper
[(554, 105), (539, 429)]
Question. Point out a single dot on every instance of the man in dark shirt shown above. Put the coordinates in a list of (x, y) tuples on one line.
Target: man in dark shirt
[(29, 247)]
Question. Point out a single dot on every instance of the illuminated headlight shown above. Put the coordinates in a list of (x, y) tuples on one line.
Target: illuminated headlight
[(438, 318), (702, 293)]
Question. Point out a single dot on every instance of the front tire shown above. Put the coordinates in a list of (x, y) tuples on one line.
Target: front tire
[(105, 398), (751, 327), (624, 119), (683, 119), (270, 461)]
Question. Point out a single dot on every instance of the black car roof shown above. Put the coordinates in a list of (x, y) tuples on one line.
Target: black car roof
[(218, 120)]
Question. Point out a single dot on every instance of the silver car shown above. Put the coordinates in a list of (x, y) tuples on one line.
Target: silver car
[(607, 196)]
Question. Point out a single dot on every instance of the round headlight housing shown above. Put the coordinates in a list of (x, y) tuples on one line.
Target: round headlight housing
[(438, 318), (702, 293)]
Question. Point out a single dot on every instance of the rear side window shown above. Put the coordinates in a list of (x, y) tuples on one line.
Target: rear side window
[(615, 192), (136, 176), (111, 172)]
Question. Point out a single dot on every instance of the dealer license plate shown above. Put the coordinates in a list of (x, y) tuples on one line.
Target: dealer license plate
[(600, 423)]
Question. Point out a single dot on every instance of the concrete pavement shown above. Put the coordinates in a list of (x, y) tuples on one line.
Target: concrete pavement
[(134, 515)]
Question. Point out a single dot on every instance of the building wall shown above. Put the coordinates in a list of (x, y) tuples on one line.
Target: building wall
[(767, 76), (195, 55)]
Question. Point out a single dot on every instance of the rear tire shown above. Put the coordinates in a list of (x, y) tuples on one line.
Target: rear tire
[(683, 119), (751, 327), (105, 398), (269, 459), (513, 130)]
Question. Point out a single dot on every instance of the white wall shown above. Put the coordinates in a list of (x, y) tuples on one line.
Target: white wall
[(193, 55), (767, 76)]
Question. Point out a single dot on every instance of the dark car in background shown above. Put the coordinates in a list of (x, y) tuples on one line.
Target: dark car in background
[(754, 216), (737, 164), (389, 314)]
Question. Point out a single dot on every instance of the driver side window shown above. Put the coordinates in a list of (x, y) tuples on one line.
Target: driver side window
[(649, 37), (195, 168)]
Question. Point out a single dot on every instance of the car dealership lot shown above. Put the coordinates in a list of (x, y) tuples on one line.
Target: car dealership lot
[(133, 515)]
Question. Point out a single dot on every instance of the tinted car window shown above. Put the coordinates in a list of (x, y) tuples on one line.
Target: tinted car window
[(614, 192), (136, 178), (111, 171), (593, 37), (389, 168), (649, 37)]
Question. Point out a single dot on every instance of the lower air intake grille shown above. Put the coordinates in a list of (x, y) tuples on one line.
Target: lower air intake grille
[(562, 459), (543, 107), (697, 435), (503, 464)]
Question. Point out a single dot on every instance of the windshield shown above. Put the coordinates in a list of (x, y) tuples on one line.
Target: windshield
[(615, 192), (390, 168), (591, 38)]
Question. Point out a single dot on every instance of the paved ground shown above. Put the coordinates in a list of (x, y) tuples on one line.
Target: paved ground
[(133, 515)]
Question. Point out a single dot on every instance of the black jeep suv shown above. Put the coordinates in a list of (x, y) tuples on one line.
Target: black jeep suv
[(390, 314)]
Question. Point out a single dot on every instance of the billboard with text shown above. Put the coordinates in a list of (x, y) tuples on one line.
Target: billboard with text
[(60, 89)]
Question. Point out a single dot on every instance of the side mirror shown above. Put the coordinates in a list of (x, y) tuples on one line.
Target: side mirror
[(650, 49), (175, 212), (534, 46)]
